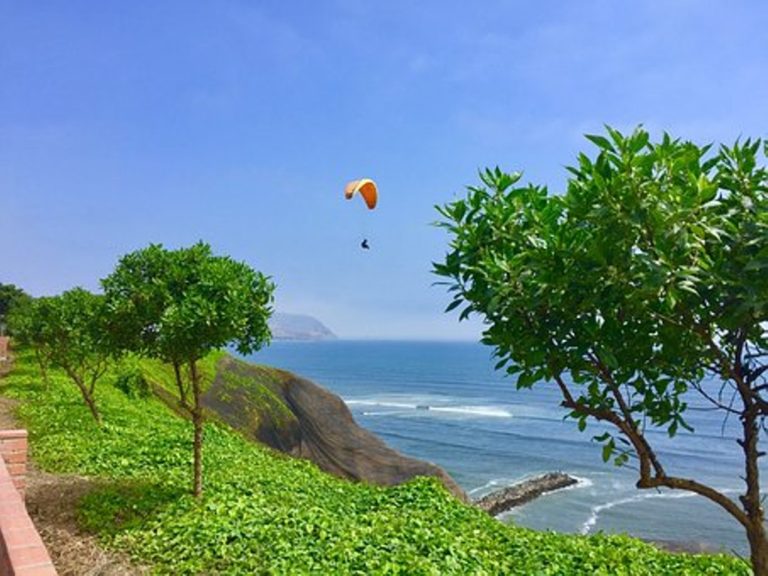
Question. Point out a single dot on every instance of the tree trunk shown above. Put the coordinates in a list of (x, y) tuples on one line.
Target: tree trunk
[(43, 369), (88, 397), (758, 548), (89, 400), (752, 502), (197, 421)]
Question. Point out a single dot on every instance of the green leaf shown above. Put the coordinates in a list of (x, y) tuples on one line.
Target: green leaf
[(601, 141), (608, 449)]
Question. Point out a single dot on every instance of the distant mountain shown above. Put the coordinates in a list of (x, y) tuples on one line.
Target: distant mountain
[(298, 327)]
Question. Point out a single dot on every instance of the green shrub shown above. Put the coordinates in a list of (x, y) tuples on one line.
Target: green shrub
[(130, 381)]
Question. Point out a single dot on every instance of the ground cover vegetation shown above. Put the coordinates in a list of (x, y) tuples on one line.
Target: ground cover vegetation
[(264, 512), (645, 282)]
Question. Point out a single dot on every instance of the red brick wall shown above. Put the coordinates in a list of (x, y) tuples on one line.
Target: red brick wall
[(13, 450), (22, 552)]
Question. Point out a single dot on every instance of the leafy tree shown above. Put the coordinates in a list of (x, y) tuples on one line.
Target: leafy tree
[(66, 331), (178, 306), (10, 297), (26, 322), (645, 282)]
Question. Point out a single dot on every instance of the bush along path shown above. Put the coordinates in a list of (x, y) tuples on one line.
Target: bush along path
[(263, 512)]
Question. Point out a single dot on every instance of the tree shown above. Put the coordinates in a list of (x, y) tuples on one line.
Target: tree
[(645, 282), (66, 331), (26, 324), (10, 297), (180, 305)]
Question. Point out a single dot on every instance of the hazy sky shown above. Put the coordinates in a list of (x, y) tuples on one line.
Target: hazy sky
[(238, 123)]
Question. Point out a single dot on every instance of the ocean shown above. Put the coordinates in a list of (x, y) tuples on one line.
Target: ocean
[(443, 402)]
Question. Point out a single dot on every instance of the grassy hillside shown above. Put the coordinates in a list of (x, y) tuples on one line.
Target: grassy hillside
[(263, 512)]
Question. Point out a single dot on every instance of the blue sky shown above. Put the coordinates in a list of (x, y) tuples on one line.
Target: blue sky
[(238, 123)]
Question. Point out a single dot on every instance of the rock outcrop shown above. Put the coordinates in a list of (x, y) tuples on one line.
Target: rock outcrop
[(502, 500), (298, 417)]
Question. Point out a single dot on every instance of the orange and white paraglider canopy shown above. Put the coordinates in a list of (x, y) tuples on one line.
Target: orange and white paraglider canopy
[(366, 188)]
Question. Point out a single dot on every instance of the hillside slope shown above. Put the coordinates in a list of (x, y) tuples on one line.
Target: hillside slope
[(264, 512)]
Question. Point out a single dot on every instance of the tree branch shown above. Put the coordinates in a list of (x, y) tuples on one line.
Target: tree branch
[(645, 453), (702, 489), (719, 405)]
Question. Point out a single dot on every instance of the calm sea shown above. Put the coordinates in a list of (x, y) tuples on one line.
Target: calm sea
[(487, 435)]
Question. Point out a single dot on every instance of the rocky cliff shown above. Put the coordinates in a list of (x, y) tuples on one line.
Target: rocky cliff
[(298, 417)]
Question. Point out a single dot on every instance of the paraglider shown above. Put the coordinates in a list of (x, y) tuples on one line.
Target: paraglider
[(366, 188)]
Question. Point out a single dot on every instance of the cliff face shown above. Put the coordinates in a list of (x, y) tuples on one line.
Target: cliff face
[(300, 418)]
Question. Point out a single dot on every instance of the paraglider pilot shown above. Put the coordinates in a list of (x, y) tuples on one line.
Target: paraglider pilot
[(368, 190)]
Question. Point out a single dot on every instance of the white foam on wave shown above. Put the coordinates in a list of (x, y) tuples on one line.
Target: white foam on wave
[(484, 411), (594, 513), (378, 403), (490, 411), (596, 510), (581, 482), (492, 484)]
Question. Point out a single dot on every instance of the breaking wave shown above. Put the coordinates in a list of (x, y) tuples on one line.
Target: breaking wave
[(405, 407)]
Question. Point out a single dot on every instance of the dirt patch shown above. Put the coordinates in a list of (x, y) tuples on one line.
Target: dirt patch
[(7, 406), (51, 501), (52, 504)]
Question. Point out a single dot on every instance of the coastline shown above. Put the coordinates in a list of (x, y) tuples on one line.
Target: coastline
[(492, 436)]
